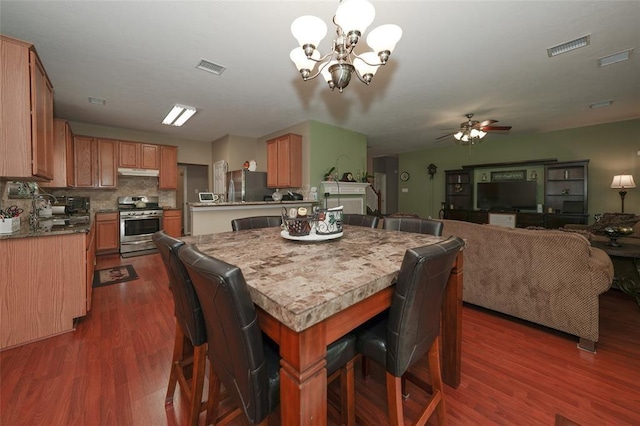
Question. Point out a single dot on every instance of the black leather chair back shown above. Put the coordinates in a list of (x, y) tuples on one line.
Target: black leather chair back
[(236, 351), (186, 304), (256, 222), (414, 315), (360, 220), (411, 224)]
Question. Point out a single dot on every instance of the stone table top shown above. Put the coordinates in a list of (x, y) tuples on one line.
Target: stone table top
[(302, 283)]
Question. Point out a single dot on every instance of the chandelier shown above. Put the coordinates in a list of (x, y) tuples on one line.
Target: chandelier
[(469, 134), (351, 19)]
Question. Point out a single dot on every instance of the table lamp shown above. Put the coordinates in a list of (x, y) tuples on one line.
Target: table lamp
[(623, 182)]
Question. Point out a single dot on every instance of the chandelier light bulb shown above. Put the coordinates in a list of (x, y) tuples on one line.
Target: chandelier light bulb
[(303, 63), (384, 39), (309, 30), (355, 15)]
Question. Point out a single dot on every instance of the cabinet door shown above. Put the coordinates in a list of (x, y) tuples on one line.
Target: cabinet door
[(41, 120), (62, 156), (168, 167), (85, 161), (128, 154), (91, 263), (107, 150), (149, 156), (172, 223), (107, 233), (272, 163)]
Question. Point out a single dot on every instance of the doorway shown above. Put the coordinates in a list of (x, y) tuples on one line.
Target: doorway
[(192, 179)]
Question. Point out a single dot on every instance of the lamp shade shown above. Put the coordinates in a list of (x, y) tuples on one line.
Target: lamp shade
[(308, 30), (364, 61), (325, 70), (384, 37), (355, 15), (299, 58), (623, 181)]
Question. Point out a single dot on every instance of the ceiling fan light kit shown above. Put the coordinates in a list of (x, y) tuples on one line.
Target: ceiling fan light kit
[(472, 131), (351, 19)]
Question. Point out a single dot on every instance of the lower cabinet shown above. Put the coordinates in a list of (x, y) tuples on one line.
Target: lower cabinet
[(107, 233), (91, 262), (172, 223)]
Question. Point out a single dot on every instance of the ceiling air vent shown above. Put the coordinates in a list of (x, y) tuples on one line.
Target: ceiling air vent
[(569, 46), (211, 67)]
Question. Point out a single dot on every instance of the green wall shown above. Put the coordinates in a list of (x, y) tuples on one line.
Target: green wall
[(611, 148), (333, 146)]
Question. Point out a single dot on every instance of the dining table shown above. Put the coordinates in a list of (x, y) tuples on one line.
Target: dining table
[(311, 291)]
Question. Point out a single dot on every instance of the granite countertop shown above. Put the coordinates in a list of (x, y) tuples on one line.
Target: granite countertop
[(27, 232), (249, 203), (302, 283)]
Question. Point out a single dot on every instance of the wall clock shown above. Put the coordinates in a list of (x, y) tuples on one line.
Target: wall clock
[(404, 176)]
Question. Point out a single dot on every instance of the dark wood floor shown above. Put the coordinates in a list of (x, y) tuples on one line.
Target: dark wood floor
[(113, 369)]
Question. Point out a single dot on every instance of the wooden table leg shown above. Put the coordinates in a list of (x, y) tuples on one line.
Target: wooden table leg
[(452, 326), (303, 376)]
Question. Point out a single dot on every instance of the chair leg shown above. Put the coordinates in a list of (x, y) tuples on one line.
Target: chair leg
[(394, 400), (436, 381), (178, 347), (348, 394), (197, 383)]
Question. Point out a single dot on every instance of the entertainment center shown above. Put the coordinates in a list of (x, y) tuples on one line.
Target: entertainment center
[(545, 193)]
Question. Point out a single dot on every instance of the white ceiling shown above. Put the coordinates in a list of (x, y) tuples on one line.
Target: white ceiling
[(455, 57)]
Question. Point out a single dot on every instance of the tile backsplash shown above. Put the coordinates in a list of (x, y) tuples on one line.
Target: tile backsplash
[(103, 199)]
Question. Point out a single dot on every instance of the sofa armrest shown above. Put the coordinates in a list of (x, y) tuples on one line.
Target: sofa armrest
[(601, 269), (576, 226)]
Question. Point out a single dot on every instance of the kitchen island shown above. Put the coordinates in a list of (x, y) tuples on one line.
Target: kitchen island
[(47, 277), (212, 218)]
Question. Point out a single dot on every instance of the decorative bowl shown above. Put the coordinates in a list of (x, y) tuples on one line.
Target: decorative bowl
[(615, 232)]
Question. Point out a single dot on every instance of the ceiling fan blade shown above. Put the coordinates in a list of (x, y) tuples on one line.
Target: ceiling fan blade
[(491, 128), (445, 136), (486, 123)]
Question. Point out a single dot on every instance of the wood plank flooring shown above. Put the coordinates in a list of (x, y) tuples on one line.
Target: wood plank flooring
[(113, 369)]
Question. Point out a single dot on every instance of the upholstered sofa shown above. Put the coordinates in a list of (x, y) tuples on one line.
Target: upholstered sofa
[(595, 231), (549, 277)]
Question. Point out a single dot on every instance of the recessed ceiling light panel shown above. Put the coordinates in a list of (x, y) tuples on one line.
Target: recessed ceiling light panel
[(211, 67), (569, 46), (97, 101), (178, 115), (615, 58)]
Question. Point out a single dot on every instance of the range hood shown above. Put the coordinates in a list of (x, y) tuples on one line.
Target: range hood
[(138, 172)]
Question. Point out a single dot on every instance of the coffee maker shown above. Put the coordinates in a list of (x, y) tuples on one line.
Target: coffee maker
[(70, 211)]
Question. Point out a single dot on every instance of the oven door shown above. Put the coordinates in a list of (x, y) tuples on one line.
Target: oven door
[(136, 233)]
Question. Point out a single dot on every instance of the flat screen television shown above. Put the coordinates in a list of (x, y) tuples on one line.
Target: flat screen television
[(518, 195)]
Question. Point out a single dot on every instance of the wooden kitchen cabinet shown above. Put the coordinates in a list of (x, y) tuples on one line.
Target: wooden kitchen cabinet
[(63, 158), (172, 222), (91, 262), (284, 161), (84, 154), (107, 150), (26, 147), (138, 155), (107, 233), (95, 162), (168, 178)]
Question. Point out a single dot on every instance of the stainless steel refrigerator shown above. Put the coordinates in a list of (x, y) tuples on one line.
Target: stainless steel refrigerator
[(243, 185)]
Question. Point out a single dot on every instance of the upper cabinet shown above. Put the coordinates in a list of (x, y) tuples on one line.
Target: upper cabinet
[(284, 161), (168, 178), (63, 158), (95, 162), (138, 155), (26, 147)]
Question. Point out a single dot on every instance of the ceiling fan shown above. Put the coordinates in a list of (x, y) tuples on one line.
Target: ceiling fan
[(472, 131)]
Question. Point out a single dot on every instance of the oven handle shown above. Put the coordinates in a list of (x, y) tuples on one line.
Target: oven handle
[(139, 217), (132, 243)]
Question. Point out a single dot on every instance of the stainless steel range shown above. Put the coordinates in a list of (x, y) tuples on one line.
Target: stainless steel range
[(140, 218)]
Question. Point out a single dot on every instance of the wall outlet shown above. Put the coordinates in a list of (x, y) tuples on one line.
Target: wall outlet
[(405, 189)]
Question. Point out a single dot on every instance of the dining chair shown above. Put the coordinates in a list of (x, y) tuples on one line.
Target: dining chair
[(255, 222), (413, 224), (400, 336), (245, 360), (360, 220), (190, 345)]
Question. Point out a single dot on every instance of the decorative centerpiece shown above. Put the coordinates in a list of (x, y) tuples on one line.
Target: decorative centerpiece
[(296, 221), (322, 225), (615, 232)]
